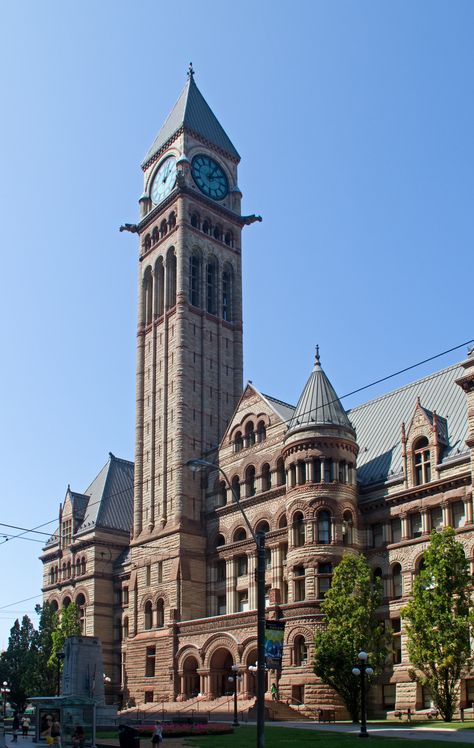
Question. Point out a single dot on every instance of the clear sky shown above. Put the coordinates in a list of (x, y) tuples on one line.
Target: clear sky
[(355, 122)]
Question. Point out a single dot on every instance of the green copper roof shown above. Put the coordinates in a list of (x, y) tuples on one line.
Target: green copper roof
[(318, 404), (192, 112)]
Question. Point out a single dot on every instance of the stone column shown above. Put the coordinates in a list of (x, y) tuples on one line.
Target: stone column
[(425, 528), (405, 527), (446, 509), (468, 509)]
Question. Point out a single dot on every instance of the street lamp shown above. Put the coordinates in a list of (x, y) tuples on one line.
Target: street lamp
[(259, 540), (5, 692), (363, 670), (234, 678)]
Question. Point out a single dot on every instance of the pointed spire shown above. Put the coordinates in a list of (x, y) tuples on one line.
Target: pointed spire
[(192, 113), (318, 404)]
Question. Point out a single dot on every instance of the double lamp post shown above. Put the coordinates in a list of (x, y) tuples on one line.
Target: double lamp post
[(259, 540), (363, 670)]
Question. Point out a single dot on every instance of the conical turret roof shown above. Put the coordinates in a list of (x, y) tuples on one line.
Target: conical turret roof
[(192, 112), (318, 404)]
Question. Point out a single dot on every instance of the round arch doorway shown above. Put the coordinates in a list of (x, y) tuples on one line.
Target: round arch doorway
[(221, 668), (190, 677)]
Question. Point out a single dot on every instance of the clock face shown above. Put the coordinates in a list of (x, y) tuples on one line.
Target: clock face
[(209, 177), (164, 180)]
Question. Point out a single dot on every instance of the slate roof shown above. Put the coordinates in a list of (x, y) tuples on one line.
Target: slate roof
[(192, 112), (378, 423), (318, 403), (284, 410), (106, 503)]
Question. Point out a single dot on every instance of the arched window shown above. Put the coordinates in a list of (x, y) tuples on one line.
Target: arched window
[(281, 475), (235, 487), (220, 540), (148, 615), (54, 606), (206, 226), (159, 287), (63, 575), (147, 242), (227, 294), (282, 522), (51, 575), (83, 565), (125, 628), (222, 493), (347, 528), (195, 220), (263, 526), (172, 220), (229, 238), (250, 481), (147, 296), (300, 651), (377, 575), (56, 573), (163, 228), (78, 566), (238, 442), (397, 580), (217, 233), (66, 602), (249, 435), (171, 279), (211, 287), (261, 432), (298, 529), (194, 279), (422, 461), (324, 527), (69, 570), (239, 535), (266, 477), (155, 235), (81, 611), (160, 614)]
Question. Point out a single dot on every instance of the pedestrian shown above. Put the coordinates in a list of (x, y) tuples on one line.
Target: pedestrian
[(157, 736), (78, 737), (56, 732), (25, 725), (15, 727), (274, 692)]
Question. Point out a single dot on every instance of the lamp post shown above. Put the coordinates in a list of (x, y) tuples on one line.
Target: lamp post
[(5, 692), (363, 670), (259, 540), (234, 678)]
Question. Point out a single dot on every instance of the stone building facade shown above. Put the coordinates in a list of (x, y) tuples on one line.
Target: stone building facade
[(164, 572)]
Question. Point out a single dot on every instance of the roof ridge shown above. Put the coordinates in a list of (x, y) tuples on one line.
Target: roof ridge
[(277, 400), (404, 387)]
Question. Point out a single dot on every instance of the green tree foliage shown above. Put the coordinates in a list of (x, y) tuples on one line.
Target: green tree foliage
[(45, 682), (18, 662), (439, 619), (352, 626), (67, 625)]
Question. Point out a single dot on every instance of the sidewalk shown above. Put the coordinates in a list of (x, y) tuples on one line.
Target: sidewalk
[(420, 733)]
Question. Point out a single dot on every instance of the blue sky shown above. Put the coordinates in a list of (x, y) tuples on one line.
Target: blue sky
[(354, 121)]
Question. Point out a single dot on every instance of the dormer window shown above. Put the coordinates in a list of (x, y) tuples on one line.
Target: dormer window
[(66, 533), (422, 461)]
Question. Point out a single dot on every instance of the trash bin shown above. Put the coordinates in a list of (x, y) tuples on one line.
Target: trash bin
[(129, 737)]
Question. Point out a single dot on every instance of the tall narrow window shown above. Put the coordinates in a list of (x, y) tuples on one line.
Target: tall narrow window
[(249, 435), (159, 287), (422, 460), (281, 475), (347, 528), (147, 296), (235, 487), (222, 500), (250, 480), (211, 300), (397, 580), (266, 477), (396, 527), (227, 294), (160, 614), (415, 524), (298, 529), (194, 267), (238, 442), (261, 432), (324, 527), (324, 578), (150, 662), (458, 514), (171, 279), (148, 615), (299, 580)]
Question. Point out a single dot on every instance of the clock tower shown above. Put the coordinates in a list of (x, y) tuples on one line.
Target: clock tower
[(189, 369)]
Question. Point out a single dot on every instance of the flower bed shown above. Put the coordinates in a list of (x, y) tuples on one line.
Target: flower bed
[(178, 729)]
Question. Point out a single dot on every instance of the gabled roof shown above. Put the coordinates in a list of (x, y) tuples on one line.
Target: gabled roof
[(318, 404), (106, 503), (378, 423), (192, 112)]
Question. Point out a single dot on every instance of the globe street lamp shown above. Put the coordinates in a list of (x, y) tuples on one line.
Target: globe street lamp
[(363, 670), (259, 540), (234, 678), (5, 691)]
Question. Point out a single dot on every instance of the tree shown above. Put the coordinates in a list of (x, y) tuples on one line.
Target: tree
[(67, 625), (351, 626), (439, 620), (18, 662), (45, 680)]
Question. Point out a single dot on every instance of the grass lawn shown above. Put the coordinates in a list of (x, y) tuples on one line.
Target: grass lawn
[(431, 723), (283, 737)]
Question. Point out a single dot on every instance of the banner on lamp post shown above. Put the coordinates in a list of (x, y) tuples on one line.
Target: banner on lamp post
[(274, 633)]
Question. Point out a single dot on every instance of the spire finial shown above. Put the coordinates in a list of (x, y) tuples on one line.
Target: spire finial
[(316, 358), (190, 71)]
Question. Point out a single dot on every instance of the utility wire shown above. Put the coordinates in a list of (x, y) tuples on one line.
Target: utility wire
[(278, 425)]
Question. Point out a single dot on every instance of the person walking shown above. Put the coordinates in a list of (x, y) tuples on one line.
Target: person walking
[(25, 725), (15, 727), (274, 692), (157, 736), (56, 732)]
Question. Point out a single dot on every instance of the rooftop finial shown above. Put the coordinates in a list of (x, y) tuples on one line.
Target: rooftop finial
[(316, 358), (190, 70)]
